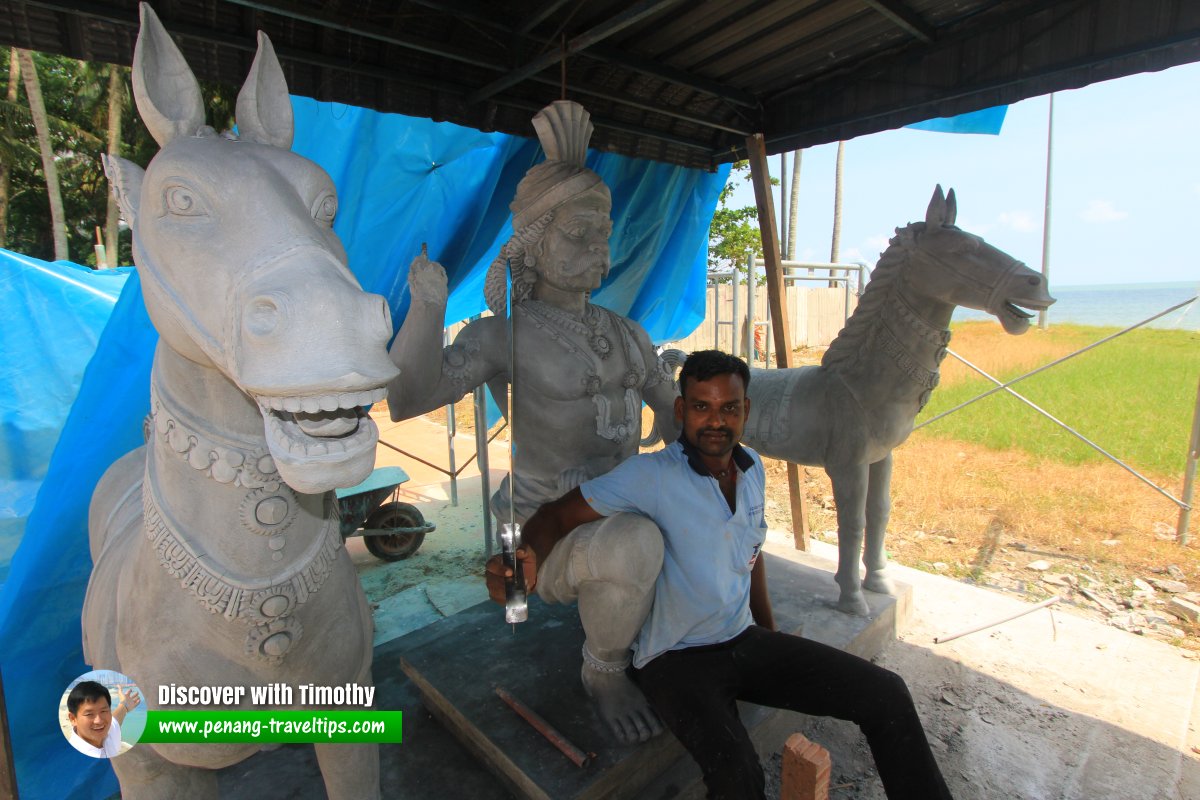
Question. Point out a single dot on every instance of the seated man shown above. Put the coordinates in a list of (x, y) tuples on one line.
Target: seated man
[(97, 727), (710, 638)]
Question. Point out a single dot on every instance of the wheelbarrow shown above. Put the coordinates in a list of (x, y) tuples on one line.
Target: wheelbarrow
[(391, 529)]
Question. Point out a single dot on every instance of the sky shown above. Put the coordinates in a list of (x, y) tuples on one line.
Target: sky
[(1125, 202)]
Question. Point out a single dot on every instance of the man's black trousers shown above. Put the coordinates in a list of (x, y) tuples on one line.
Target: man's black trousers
[(694, 692)]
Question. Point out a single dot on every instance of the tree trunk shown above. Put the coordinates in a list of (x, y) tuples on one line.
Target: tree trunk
[(14, 75), (837, 208), (793, 209), (37, 110), (116, 107), (837, 204)]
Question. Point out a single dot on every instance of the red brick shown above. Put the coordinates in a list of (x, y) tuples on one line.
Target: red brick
[(805, 770)]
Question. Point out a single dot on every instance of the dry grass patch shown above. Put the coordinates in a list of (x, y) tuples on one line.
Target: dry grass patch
[(986, 346)]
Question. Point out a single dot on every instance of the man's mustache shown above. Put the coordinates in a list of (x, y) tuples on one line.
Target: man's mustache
[(722, 431)]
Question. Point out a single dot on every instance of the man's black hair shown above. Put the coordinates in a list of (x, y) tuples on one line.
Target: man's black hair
[(705, 365), (87, 692)]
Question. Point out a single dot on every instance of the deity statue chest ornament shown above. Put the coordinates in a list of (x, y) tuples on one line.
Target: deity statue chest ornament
[(590, 340)]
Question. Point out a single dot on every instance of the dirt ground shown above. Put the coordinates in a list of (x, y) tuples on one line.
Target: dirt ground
[(1049, 706)]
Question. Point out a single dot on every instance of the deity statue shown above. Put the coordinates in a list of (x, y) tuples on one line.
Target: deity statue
[(582, 373)]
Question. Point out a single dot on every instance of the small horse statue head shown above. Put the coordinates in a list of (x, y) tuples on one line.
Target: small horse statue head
[(242, 271), (961, 269)]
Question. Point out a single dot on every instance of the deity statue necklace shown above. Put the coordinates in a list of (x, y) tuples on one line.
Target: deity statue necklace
[(598, 327)]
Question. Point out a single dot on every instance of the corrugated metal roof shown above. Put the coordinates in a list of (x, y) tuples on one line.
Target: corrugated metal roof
[(670, 80)]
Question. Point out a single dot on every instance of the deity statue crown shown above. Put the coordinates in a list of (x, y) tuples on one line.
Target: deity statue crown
[(564, 128)]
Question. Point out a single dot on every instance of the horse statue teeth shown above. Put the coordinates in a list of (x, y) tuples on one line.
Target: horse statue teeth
[(849, 413)]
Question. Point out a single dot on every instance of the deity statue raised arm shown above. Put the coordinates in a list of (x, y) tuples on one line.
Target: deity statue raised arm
[(582, 372)]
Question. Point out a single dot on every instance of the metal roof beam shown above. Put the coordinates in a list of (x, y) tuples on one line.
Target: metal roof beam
[(666, 72), (904, 17), (616, 24), (419, 45), (539, 16)]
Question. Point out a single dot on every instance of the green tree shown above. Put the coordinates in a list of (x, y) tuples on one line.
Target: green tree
[(41, 126), (88, 113), (734, 231)]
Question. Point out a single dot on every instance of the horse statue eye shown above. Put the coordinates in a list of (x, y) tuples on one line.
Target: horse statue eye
[(180, 201), (324, 208)]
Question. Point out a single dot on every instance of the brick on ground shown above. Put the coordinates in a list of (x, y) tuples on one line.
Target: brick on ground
[(805, 770)]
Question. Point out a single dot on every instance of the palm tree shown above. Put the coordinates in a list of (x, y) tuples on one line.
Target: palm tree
[(837, 204), (7, 144), (37, 108), (793, 210), (837, 208)]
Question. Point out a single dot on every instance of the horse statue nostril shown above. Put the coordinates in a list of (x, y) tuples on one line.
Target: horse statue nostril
[(1034, 280)]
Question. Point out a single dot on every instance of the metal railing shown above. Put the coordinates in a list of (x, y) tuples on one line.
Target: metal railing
[(743, 277)]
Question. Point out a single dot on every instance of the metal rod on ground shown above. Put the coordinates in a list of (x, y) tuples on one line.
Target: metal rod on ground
[(986, 625), (577, 756), (1189, 475)]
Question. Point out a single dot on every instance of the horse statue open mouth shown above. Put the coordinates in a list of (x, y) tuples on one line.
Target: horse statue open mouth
[(217, 553), (849, 413)]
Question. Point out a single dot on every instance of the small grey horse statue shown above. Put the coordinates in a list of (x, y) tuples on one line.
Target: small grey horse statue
[(848, 414), (218, 559)]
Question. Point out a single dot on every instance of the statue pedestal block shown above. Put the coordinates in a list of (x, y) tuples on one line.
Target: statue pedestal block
[(456, 664)]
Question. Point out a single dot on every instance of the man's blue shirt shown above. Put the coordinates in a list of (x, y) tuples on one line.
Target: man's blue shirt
[(702, 595)]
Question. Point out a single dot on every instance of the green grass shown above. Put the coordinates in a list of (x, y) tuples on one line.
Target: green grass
[(1134, 396)]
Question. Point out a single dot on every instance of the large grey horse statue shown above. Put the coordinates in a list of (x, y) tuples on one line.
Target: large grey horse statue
[(849, 413), (218, 559)]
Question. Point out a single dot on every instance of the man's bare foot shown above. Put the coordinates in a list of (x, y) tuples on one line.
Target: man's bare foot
[(621, 705)]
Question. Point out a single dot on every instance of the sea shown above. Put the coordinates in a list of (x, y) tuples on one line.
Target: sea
[(1118, 305)]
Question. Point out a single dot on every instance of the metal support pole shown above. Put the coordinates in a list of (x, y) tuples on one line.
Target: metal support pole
[(1189, 474), (481, 454), (1043, 317), (750, 292), (734, 340), (450, 437), (716, 315)]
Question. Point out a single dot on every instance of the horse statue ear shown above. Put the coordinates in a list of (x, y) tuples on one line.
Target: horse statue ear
[(951, 208), (164, 88), (935, 215), (264, 110), (125, 179)]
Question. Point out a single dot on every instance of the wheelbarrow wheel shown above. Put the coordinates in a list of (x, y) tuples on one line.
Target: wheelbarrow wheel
[(394, 546)]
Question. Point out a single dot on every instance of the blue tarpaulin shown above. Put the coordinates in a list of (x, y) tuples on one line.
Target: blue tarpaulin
[(401, 182), (986, 121), (52, 317)]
